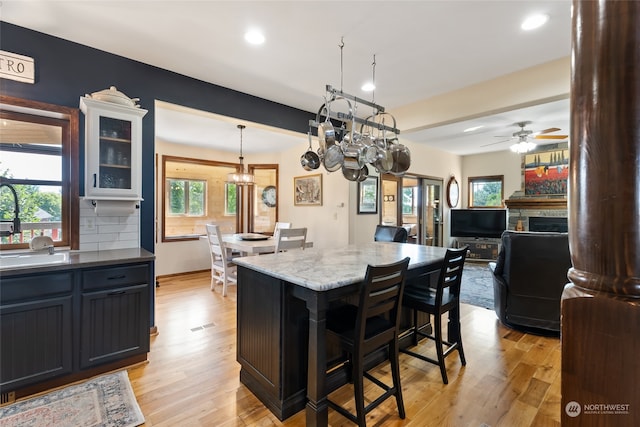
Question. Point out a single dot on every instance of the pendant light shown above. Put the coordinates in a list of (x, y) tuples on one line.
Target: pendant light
[(242, 177)]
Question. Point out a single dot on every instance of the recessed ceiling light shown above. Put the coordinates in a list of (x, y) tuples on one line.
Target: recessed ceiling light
[(534, 21), (254, 37), (471, 129), (368, 87)]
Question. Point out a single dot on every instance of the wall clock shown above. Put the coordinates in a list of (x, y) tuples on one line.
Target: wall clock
[(269, 196), (453, 192)]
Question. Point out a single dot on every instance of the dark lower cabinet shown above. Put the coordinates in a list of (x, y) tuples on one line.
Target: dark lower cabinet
[(106, 332), (62, 326), (35, 342)]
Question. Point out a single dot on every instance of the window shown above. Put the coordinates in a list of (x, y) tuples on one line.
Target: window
[(230, 199), (409, 201), (38, 157), (187, 197), (486, 191), (195, 194)]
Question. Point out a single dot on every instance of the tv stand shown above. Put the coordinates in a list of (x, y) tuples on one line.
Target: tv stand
[(480, 248)]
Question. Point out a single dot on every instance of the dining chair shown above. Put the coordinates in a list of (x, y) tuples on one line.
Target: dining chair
[(372, 325), (290, 238), (445, 298), (222, 268), (281, 225)]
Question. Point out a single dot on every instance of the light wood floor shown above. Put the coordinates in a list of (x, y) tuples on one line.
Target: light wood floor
[(192, 378)]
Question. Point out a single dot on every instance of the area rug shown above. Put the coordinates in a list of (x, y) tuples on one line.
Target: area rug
[(477, 285), (105, 401)]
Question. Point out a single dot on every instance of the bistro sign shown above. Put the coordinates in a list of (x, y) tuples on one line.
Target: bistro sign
[(17, 67)]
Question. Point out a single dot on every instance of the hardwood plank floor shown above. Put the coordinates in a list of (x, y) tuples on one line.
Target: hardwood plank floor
[(511, 379)]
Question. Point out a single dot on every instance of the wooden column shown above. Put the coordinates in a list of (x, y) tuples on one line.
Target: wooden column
[(601, 308)]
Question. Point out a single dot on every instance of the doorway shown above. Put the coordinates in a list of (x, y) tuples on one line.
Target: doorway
[(421, 209)]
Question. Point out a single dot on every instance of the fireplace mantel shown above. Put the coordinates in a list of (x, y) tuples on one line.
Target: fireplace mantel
[(536, 203)]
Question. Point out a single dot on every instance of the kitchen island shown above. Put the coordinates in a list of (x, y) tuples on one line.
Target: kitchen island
[(282, 304)]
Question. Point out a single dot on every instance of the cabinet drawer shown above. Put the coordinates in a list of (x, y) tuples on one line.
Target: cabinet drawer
[(35, 286), (112, 277)]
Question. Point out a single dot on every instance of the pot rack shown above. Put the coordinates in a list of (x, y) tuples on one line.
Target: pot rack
[(345, 117)]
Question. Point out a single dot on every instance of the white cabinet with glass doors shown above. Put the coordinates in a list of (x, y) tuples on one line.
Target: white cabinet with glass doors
[(113, 149)]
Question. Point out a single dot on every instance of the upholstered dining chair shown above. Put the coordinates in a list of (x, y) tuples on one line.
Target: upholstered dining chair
[(222, 268), (290, 238), (444, 299), (372, 325), (390, 233)]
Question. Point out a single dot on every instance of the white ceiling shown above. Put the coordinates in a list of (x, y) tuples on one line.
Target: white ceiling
[(422, 48)]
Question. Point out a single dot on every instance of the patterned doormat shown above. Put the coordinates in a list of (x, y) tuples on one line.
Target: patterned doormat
[(477, 285), (105, 401)]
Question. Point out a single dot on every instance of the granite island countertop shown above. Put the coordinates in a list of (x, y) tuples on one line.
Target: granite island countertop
[(325, 269), (79, 259)]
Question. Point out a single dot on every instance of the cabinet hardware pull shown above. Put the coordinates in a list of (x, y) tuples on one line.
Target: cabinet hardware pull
[(122, 276), (94, 180), (116, 293)]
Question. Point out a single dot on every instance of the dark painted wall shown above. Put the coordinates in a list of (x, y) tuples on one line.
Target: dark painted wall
[(65, 71)]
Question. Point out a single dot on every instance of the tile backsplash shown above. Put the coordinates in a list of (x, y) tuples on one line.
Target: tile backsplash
[(107, 232)]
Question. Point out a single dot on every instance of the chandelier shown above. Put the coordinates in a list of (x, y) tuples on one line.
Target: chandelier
[(342, 146), (241, 178)]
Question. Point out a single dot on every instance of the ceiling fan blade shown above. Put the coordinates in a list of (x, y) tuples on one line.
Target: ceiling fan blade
[(551, 136), (494, 143), (549, 130)]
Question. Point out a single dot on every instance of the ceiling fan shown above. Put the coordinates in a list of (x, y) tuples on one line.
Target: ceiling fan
[(523, 145)]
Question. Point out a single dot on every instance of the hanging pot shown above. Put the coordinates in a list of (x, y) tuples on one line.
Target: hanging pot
[(310, 160), (364, 173), (350, 174), (401, 159), (353, 156), (326, 132), (333, 158)]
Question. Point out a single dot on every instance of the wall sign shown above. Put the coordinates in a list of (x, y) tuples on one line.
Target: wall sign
[(17, 67)]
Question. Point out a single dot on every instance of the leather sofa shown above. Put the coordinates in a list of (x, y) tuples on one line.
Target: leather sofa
[(528, 278), (390, 233)]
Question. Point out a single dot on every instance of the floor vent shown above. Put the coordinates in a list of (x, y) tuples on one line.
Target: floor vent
[(6, 398), (199, 328)]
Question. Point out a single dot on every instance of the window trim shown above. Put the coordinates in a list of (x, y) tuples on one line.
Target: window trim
[(487, 178), (41, 112), (189, 160)]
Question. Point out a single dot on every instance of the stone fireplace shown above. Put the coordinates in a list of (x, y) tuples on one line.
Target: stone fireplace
[(520, 209)]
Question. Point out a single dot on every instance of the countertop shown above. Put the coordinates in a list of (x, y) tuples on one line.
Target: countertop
[(83, 259), (325, 269)]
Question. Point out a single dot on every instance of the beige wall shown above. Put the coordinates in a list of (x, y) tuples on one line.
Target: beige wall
[(506, 163)]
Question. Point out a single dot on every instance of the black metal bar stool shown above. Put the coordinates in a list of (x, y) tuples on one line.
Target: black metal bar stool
[(372, 325), (444, 299)]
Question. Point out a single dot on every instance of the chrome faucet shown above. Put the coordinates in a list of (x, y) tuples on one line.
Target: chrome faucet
[(16, 221)]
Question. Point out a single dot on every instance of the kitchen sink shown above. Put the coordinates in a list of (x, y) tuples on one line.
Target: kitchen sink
[(29, 260)]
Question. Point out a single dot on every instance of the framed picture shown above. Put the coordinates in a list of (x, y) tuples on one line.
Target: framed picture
[(546, 172), (307, 190), (368, 196)]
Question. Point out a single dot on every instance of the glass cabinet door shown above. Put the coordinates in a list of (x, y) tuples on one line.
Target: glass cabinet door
[(113, 150), (115, 154)]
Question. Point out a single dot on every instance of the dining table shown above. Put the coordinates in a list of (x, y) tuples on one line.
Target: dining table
[(251, 243), (282, 305)]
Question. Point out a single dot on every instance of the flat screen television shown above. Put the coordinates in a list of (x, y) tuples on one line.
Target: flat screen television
[(478, 222)]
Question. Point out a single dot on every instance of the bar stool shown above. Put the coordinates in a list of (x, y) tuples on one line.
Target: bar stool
[(444, 299), (372, 325)]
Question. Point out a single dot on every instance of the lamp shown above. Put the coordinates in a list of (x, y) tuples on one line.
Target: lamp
[(241, 178), (523, 146)]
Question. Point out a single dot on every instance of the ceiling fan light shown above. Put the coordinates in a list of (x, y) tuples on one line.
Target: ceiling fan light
[(534, 21), (523, 147)]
